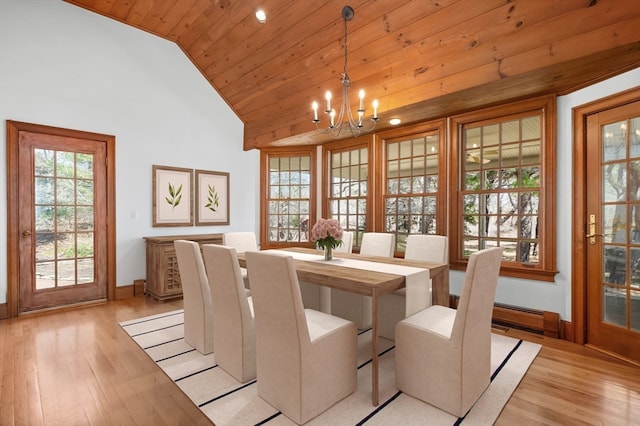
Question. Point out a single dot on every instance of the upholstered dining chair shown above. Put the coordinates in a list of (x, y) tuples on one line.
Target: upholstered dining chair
[(443, 355), (234, 334), (392, 306), (355, 307), (196, 296), (305, 359), (319, 297), (241, 241)]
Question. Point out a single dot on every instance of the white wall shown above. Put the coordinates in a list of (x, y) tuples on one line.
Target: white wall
[(66, 67), (556, 296)]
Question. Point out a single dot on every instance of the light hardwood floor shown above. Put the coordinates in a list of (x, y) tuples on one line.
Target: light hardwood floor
[(78, 367)]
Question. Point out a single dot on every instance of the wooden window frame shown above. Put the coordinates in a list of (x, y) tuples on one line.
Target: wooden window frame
[(545, 269), (265, 155), (404, 133), (348, 145)]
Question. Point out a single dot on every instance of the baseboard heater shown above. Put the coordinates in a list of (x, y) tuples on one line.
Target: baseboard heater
[(541, 322)]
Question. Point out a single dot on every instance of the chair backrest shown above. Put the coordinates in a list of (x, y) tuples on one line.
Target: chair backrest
[(234, 326), (282, 335), (241, 241), (347, 243), (378, 244), (430, 248), (475, 307), (196, 296)]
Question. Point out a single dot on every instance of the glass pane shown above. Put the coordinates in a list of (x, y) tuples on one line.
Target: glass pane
[(66, 218), (85, 192), (614, 141), (635, 310), (510, 251), (65, 191), (615, 265), (510, 131), (44, 190), (43, 159), (490, 135), (85, 271), (84, 166), (65, 246), (44, 218), (635, 269), (393, 169), (531, 128), (85, 244), (634, 137), (530, 152), (66, 275), (472, 181), (431, 184), (614, 223), (45, 275), (45, 249), (65, 164), (614, 178), (614, 306)]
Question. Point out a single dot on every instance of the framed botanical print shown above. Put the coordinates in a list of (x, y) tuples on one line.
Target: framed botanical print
[(212, 198), (172, 196)]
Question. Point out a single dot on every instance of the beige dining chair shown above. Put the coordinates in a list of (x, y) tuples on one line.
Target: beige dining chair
[(305, 359), (392, 306), (319, 297), (196, 296), (443, 355), (234, 334), (355, 307), (242, 241)]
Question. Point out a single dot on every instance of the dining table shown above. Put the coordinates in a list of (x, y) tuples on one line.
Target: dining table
[(371, 276)]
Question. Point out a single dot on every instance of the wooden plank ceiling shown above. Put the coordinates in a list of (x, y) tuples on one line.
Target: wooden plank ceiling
[(421, 59)]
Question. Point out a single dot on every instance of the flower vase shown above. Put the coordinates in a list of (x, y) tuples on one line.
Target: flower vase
[(328, 253)]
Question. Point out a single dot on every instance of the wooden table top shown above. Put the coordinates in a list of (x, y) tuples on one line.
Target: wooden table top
[(335, 275)]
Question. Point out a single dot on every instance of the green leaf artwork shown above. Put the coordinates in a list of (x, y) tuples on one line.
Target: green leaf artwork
[(175, 195), (212, 199)]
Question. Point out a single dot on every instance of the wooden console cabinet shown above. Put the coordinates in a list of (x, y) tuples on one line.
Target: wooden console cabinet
[(163, 276)]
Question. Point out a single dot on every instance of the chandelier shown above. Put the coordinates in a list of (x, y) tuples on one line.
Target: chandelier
[(344, 120)]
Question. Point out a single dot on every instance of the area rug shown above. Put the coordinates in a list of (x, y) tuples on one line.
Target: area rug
[(228, 402)]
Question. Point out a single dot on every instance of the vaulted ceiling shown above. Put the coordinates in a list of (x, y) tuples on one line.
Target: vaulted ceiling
[(421, 59)]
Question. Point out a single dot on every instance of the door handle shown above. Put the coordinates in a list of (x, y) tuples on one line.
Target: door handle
[(592, 230), (26, 233)]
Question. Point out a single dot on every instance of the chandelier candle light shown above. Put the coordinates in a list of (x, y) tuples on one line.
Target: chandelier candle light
[(344, 118), (327, 234)]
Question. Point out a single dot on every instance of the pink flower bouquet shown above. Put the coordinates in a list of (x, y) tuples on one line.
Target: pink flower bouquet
[(327, 233)]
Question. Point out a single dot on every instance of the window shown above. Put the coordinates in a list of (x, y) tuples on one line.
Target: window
[(414, 183), (484, 178), (348, 185), (289, 195), (502, 186)]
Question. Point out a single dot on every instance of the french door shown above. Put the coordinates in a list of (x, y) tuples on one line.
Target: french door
[(60, 218), (612, 234)]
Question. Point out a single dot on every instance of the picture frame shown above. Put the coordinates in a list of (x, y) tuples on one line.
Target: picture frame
[(172, 196), (212, 198)]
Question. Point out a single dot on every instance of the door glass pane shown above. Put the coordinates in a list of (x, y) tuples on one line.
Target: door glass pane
[(64, 198), (614, 143), (615, 265), (614, 306), (635, 310)]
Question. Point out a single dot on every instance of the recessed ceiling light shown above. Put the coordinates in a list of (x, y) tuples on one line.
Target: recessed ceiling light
[(395, 121), (261, 16)]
